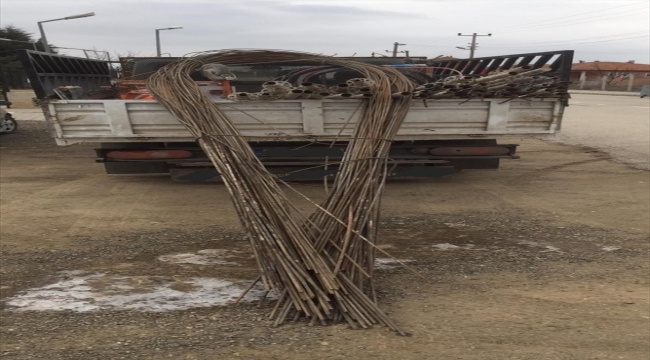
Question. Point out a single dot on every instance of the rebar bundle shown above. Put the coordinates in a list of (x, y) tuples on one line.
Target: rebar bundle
[(520, 82), (321, 265), (357, 88)]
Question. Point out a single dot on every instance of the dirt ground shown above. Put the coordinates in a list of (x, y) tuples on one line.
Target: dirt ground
[(546, 258)]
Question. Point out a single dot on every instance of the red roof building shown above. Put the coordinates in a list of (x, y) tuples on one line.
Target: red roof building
[(610, 75)]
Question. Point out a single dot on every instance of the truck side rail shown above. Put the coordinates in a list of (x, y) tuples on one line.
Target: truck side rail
[(558, 63), (77, 121), (47, 72)]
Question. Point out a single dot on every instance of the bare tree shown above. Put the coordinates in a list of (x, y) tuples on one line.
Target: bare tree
[(615, 75)]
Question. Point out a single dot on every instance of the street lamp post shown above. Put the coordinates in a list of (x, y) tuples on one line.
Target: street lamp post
[(158, 52), (46, 46)]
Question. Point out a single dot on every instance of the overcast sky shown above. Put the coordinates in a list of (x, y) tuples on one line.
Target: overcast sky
[(606, 30)]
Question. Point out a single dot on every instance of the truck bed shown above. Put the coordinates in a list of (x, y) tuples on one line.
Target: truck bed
[(76, 121), (297, 140)]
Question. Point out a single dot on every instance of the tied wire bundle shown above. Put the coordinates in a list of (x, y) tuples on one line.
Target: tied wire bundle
[(521, 82), (321, 265), (357, 88)]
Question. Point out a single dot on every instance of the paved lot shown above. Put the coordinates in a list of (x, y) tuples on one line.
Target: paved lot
[(32, 114), (545, 258), (617, 125)]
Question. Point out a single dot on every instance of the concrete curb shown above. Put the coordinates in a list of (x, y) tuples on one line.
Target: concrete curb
[(610, 93), (27, 114)]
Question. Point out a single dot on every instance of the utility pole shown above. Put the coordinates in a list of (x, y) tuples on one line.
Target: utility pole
[(472, 47), (405, 52), (395, 51), (396, 46)]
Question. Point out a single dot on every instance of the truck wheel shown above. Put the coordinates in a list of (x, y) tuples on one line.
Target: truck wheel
[(9, 126)]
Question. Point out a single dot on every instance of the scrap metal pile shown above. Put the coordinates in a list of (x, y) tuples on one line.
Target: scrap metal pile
[(357, 88), (519, 82), (320, 265)]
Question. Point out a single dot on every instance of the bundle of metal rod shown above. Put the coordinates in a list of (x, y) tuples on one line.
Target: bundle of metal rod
[(359, 83), (273, 90), (321, 265), (520, 82), (358, 88), (342, 88), (316, 88)]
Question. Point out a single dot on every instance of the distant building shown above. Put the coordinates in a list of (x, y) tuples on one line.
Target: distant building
[(610, 75)]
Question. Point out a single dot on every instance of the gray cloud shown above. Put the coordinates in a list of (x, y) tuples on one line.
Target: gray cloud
[(343, 27)]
